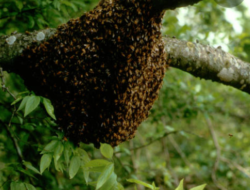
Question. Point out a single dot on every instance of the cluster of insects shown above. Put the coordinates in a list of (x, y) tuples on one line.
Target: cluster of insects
[(102, 71)]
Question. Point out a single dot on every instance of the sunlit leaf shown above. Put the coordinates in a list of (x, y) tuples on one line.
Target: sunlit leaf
[(29, 187), (200, 187), (29, 166), (97, 163), (140, 182), (57, 154), (17, 186), (50, 147), (67, 152), (45, 162), (31, 104), (23, 103), (49, 107), (108, 170), (180, 187), (74, 166), (106, 150), (108, 185), (17, 100)]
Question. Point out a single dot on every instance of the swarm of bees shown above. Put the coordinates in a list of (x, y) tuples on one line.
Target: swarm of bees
[(102, 71)]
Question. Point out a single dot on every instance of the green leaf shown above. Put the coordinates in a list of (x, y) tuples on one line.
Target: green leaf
[(67, 152), (26, 172), (69, 4), (45, 162), (180, 187), (20, 119), (17, 186), (154, 187), (23, 103), (107, 151), (140, 182), (29, 187), (28, 126), (57, 154), (200, 187), (86, 176), (50, 147), (85, 159), (109, 184), (84, 155), (17, 100), (57, 5), (31, 22), (119, 186), (95, 169), (108, 170), (97, 163), (19, 5), (24, 92), (74, 166), (31, 104), (29, 166), (49, 108)]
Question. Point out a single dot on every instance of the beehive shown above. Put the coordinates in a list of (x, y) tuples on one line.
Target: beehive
[(102, 71)]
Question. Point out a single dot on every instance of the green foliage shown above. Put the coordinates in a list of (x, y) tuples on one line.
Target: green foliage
[(174, 143)]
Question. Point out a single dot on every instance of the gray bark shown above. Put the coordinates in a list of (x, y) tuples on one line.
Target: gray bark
[(13, 45), (208, 63)]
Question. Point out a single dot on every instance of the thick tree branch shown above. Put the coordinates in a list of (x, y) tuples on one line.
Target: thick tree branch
[(208, 63), (172, 4), (13, 45)]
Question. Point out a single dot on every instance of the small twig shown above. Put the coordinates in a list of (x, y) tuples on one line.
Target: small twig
[(218, 151), (157, 139), (178, 149), (165, 151), (18, 149), (237, 166)]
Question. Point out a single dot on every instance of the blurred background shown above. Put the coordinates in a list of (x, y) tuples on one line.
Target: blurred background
[(209, 122)]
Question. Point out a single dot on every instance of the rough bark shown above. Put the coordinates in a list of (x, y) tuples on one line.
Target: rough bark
[(208, 63), (13, 45)]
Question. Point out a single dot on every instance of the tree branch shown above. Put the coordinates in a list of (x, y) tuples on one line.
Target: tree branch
[(208, 63), (172, 4), (17, 147), (13, 45)]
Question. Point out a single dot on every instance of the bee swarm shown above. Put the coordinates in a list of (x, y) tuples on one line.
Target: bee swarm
[(101, 71)]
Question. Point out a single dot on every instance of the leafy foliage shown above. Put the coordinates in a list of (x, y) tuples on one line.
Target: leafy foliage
[(174, 143)]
